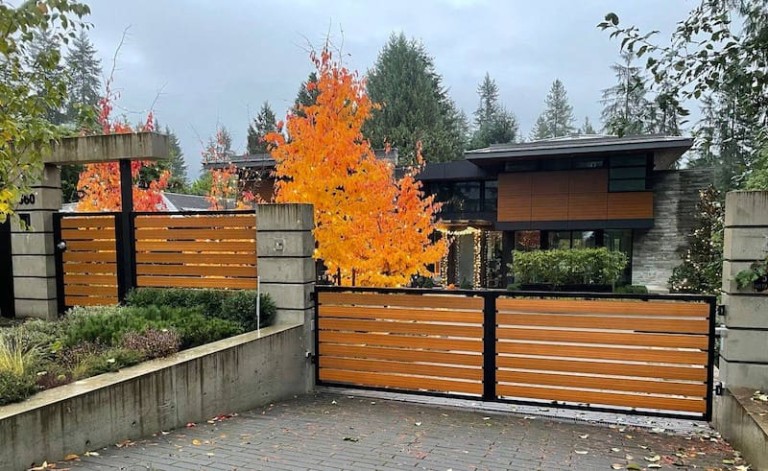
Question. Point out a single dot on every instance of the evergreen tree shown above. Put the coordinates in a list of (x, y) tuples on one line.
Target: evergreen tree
[(307, 94), (625, 107), (176, 164), (84, 70), (557, 118), (415, 106), (493, 123), (264, 123), (46, 56), (587, 128)]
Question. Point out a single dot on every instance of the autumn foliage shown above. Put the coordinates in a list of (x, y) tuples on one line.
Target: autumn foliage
[(99, 184), (366, 222), (226, 187)]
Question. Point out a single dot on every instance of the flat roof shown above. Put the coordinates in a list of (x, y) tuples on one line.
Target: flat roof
[(586, 144)]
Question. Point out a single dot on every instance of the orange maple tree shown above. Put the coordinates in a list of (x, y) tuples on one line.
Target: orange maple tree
[(99, 184), (225, 182), (366, 222)]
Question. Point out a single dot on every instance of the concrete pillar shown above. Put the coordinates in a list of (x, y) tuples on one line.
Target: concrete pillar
[(285, 263), (744, 349), (34, 267)]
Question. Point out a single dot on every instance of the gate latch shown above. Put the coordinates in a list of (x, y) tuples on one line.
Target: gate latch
[(62, 246), (720, 310)]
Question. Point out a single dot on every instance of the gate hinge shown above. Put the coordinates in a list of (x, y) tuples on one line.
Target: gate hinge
[(721, 332), (719, 388), (720, 310)]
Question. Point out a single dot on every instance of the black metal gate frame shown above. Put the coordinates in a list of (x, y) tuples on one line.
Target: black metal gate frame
[(489, 344)]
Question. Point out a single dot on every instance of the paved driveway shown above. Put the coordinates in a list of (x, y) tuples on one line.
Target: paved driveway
[(331, 431)]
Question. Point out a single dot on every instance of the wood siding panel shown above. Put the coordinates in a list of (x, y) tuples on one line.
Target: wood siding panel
[(514, 208), (515, 183), (587, 206), (631, 205), (588, 181), (549, 207)]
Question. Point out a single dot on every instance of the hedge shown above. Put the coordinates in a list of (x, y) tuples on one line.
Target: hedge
[(568, 266)]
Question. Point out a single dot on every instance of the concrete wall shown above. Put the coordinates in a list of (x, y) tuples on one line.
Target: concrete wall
[(228, 376), (656, 251)]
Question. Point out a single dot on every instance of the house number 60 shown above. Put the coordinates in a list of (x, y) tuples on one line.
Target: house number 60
[(28, 199)]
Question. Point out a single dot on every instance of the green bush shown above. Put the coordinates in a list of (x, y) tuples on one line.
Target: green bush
[(631, 289), (16, 356), (106, 361), (234, 305), (108, 325), (15, 387), (569, 266)]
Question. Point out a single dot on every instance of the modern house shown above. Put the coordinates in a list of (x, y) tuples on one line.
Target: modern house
[(625, 194)]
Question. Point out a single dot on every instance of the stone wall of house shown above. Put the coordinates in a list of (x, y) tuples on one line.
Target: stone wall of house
[(656, 251)]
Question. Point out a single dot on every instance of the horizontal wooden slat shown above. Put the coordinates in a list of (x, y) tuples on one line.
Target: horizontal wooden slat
[(90, 245), (431, 315), (197, 270), (684, 326), (214, 259), (397, 354), (90, 279), (403, 300), (183, 282), (407, 368), (608, 338), (196, 234), (104, 291), (604, 353), (102, 256), (605, 368), (197, 246), (602, 398), (584, 306), (609, 384), (90, 300), (407, 341), (89, 234), (413, 383), (96, 221), (228, 220), (401, 327), (80, 267)]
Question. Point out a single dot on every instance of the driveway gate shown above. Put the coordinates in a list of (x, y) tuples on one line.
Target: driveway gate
[(648, 354)]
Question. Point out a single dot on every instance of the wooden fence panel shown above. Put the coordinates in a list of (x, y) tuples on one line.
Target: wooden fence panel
[(89, 264), (650, 354), (196, 251), (404, 341)]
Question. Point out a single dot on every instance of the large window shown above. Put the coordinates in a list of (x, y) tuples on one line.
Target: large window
[(628, 173), (465, 196), (572, 239)]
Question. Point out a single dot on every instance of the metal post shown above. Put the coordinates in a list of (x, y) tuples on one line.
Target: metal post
[(711, 359), (489, 346), (59, 246), (127, 257), (258, 305)]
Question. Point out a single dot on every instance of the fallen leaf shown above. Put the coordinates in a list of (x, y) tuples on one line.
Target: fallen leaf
[(653, 459), (417, 424), (654, 466), (742, 467), (91, 453), (334, 402), (615, 450), (351, 439), (191, 424), (634, 467), (643, 447), (581, 452), (629, 457), (617, 466), (196, 442), (486, 418), (42, 467), (210, 454), (125, 444), (585, 436), (71, 457), (658, 430)]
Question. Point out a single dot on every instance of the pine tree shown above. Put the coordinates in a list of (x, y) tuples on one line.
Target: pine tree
[(625, 107), (415, 107), (587, 128), (264, 123), (557, 118), (307, 95), (84, 70), (46, 55), (178, 167), (493, 123)]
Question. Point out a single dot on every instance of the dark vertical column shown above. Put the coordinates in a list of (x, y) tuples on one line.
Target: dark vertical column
[(489, 346), (7, 300), (59, 246), (507, 246), (126, 245)]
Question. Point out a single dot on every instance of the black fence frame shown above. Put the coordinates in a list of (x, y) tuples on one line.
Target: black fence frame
[(7, 298), (489, 343), (125, 245)]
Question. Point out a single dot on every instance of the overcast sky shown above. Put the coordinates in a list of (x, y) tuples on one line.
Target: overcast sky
[(214, 62)]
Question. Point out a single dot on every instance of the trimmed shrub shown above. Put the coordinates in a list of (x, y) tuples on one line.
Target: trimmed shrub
[(15, 387), (569, 266), (152, 343), (234, 305), (631, 289)]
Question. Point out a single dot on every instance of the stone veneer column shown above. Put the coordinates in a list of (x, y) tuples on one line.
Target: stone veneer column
[(744, 349), (34, 266), (285, 263)]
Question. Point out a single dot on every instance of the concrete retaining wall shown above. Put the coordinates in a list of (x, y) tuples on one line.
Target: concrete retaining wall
[(228, 376)]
